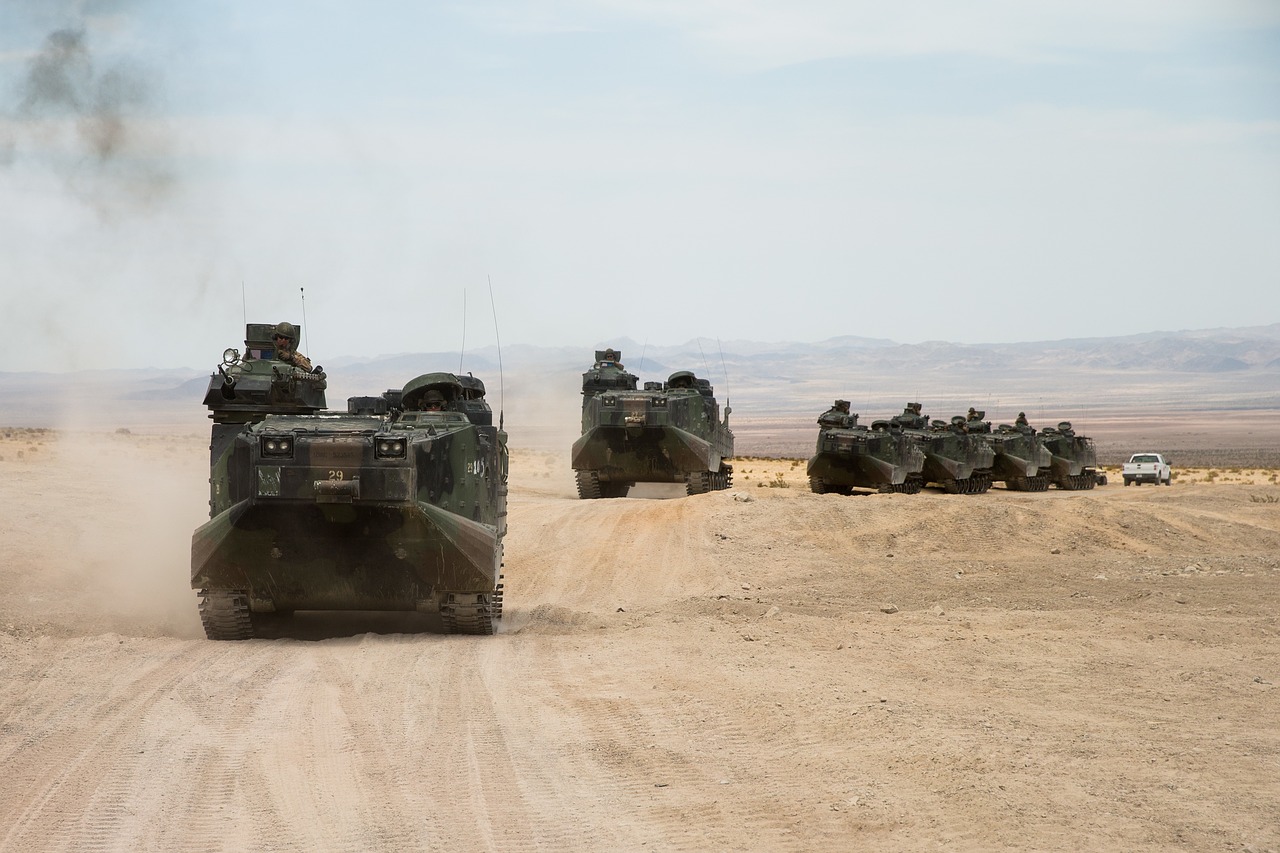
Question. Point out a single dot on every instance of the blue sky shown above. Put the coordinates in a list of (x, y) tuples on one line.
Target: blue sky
[(988, 171)]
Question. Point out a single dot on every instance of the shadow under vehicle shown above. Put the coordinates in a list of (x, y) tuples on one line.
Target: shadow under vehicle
[(954, 460), (1021, 462), (852, 456), (1075, 459), (667, 432), (397, 504)]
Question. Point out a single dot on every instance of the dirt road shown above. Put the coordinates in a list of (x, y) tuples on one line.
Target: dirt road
[(757, 669)]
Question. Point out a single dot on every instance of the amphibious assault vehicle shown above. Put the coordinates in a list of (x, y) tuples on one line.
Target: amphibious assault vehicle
[(666, 432), (1075, 460), (1021, 459), (397, 504), (852, 456), (954, 460)]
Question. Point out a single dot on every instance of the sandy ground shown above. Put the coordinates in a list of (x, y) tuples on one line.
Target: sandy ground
[(756, 669)]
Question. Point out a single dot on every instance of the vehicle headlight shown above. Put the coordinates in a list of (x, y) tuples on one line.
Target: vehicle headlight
[(658, 402), (609, 401), (277, 445), (389, 448)]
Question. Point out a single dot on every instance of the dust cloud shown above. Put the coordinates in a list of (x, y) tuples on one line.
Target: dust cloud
[(116, 557)]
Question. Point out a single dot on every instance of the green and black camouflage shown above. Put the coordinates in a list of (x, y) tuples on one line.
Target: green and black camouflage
[(664, 433), (1074, 458), (954, 460), (384, 507), (1021, 459), (851, 456)]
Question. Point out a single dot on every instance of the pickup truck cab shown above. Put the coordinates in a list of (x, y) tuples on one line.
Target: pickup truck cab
[(1147, 468)]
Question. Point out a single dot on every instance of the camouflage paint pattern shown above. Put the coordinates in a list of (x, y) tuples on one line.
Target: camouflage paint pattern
[(1021, 459), (852, 456), (1074, 458), (955, 460), (330, 511), (668, 432)]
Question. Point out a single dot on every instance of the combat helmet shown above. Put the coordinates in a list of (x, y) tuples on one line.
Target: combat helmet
[(287, 330)]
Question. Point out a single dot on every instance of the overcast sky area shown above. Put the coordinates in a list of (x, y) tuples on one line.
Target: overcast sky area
[(988, 171)]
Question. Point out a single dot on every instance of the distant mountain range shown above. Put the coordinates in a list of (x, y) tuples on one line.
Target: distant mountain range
[(1200, 370)]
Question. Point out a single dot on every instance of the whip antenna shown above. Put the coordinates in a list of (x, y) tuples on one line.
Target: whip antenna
[(463, 348), (306, 341), (498, 338), (642, 352), (244, 303), (726, 372)]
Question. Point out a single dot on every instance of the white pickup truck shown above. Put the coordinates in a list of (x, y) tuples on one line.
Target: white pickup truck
[(1147, 468)]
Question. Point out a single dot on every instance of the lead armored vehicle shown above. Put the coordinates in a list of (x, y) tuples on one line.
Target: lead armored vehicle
[(666, 432), (1021, 459), (1075, 459), (852, 456), (397, 504), (954, 460)]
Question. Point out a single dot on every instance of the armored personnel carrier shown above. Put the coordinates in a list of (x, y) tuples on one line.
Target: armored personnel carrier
[(1075, 460), (954, 460), (667, 432), (1021, 459), (852, 456), (397, 504)]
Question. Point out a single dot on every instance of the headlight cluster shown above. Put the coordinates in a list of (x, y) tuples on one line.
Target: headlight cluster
[(608, 400), (389, 448), (277, 445), (658, 402)]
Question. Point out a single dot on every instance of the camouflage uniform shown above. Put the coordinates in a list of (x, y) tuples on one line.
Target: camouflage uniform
[(835, 417), (289, 354)]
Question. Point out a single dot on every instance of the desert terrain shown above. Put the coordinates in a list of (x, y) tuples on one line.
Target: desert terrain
[(756, 669)]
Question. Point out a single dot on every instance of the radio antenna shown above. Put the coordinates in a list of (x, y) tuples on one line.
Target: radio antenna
[(463, 348), (726, 372), (244, 303), (642, 352), (306, 341), (498, 338)]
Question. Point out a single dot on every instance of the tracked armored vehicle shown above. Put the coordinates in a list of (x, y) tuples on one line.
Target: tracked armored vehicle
[(666, 432), (852, 456), (1021, 459), (954, 460), (397, 504), (1075, 459)]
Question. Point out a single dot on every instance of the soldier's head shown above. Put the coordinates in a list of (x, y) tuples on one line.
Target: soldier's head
[(433, 401), (842, 405), (285, 336)]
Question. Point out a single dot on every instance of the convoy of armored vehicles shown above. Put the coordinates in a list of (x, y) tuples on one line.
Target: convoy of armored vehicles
[(961, 456), (397, 504), (665, 432)]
